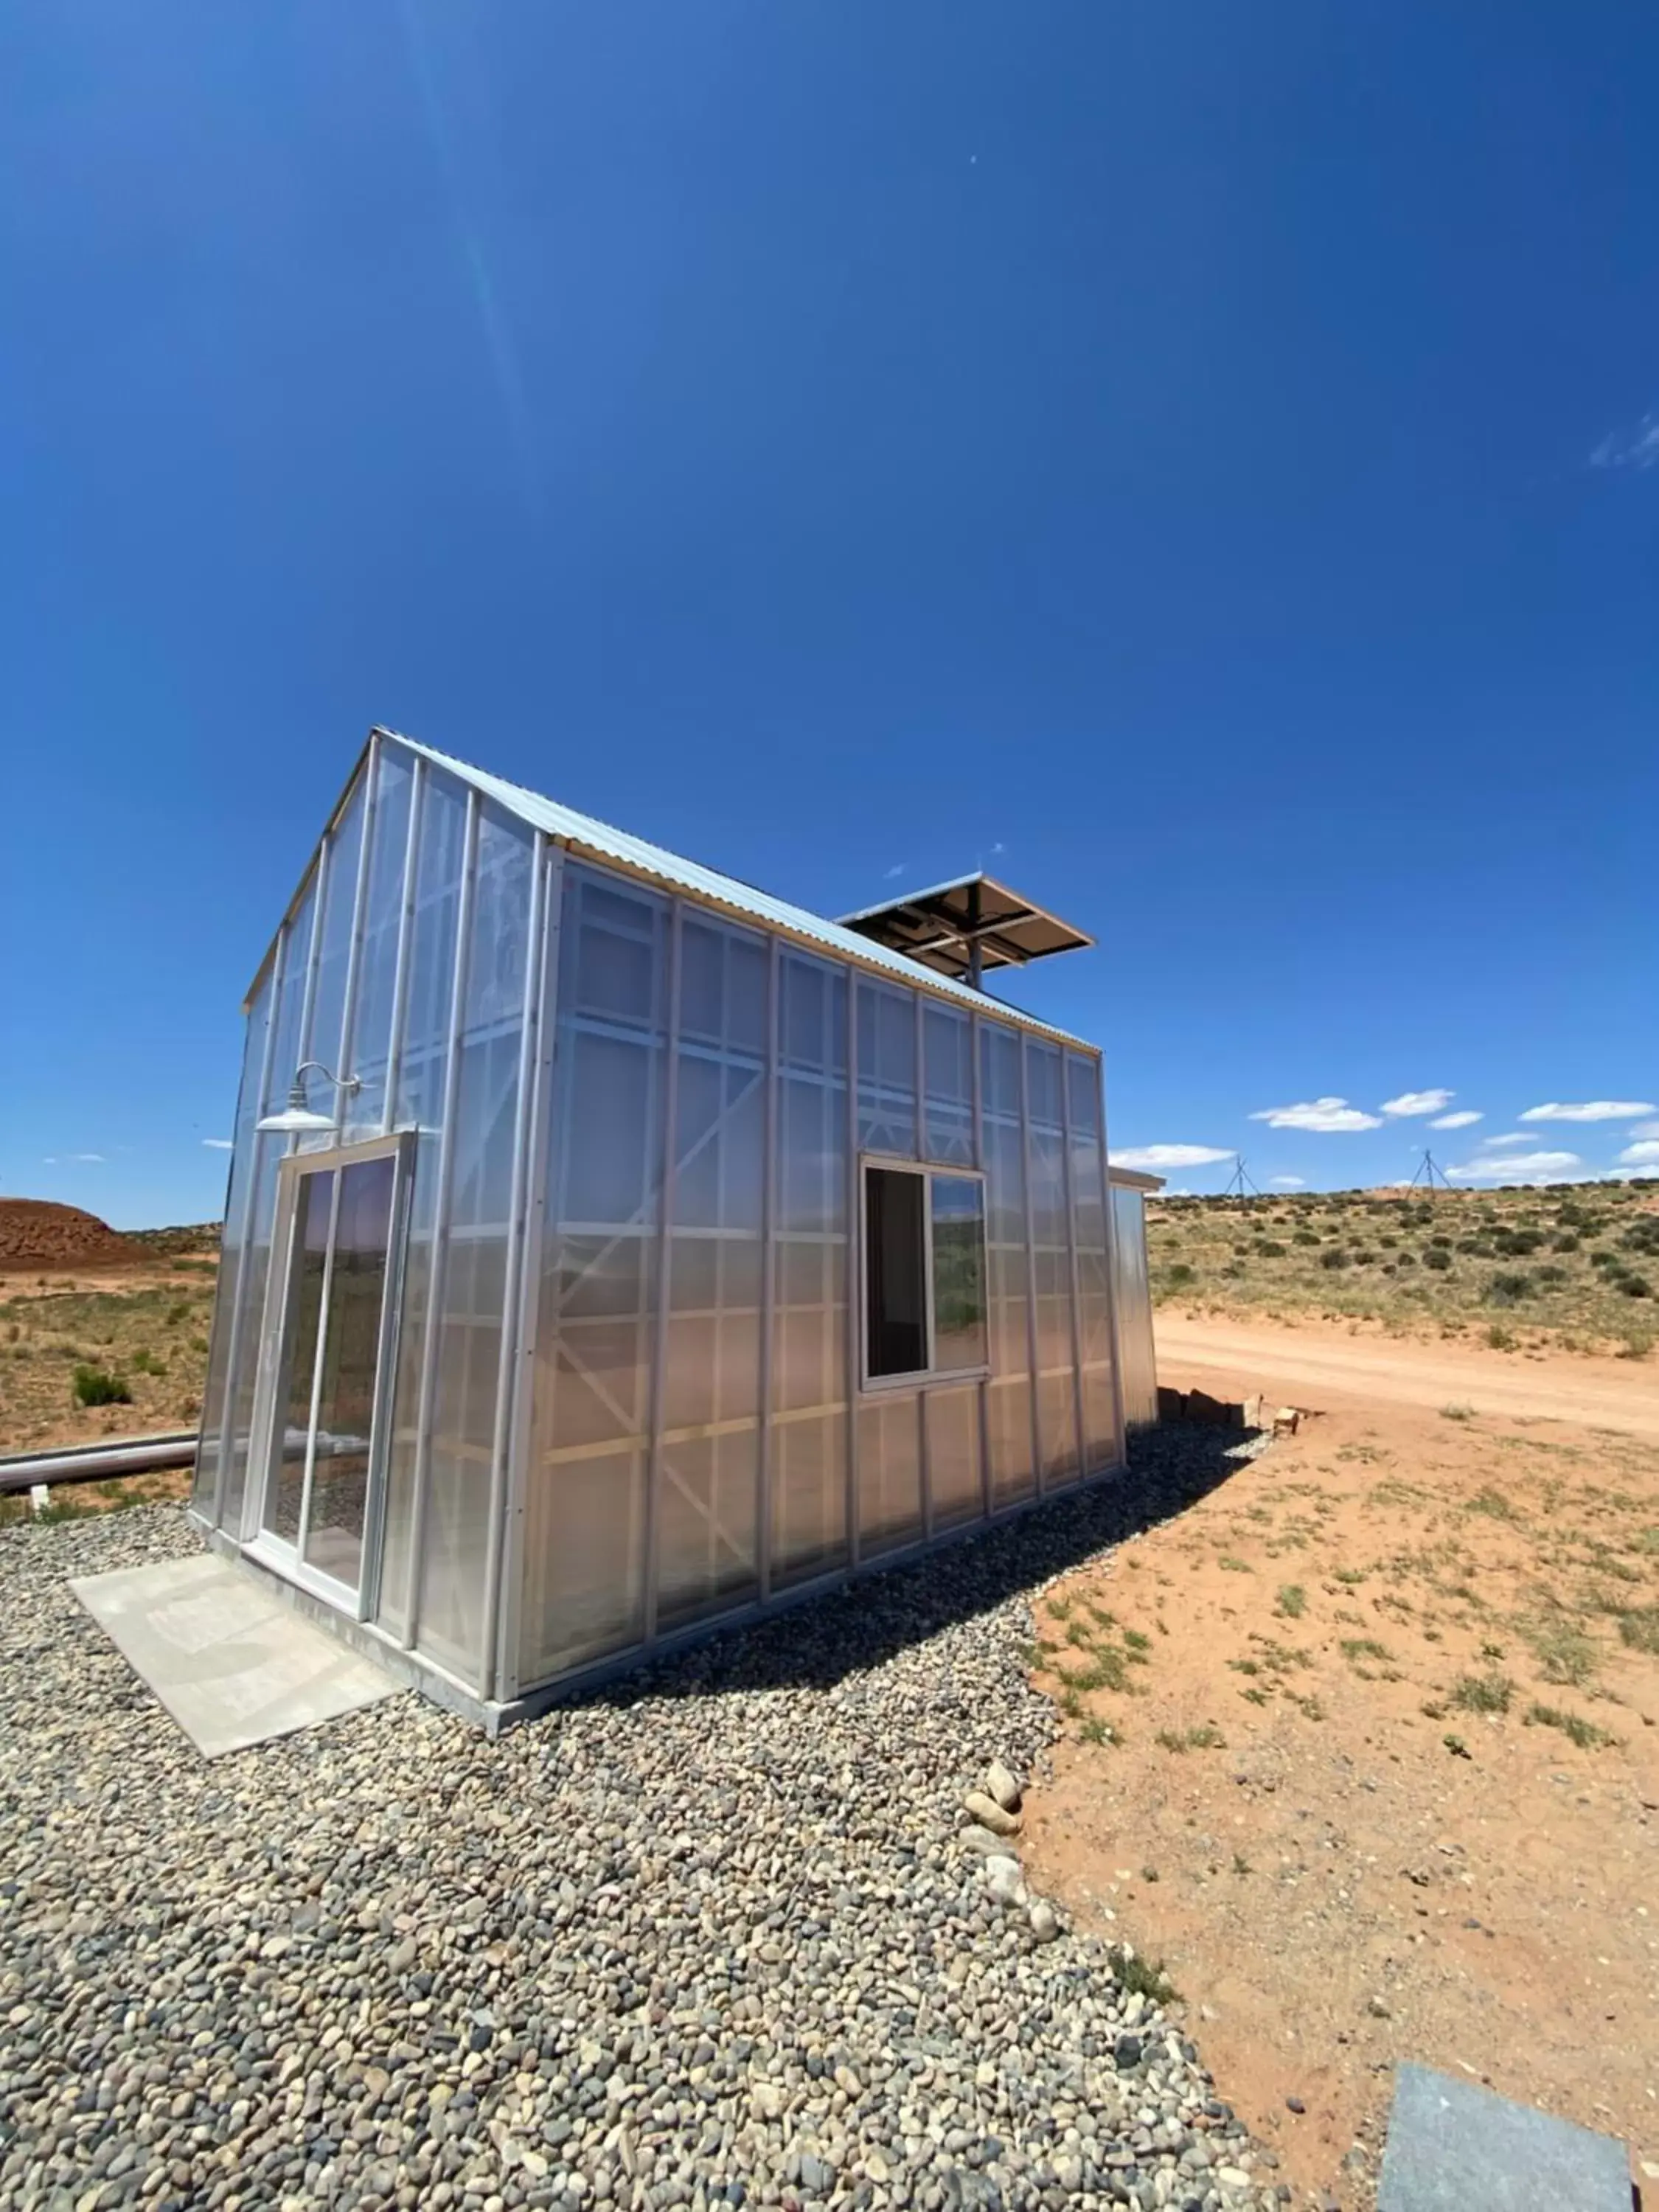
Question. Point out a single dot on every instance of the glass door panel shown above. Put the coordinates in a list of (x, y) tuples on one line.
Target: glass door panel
[(336, 1506), (314, 1203)]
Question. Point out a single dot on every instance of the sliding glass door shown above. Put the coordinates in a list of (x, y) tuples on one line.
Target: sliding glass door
[(330, 1381)]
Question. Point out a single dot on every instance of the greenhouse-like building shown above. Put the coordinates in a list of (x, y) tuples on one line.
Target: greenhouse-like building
[(611, 1248)]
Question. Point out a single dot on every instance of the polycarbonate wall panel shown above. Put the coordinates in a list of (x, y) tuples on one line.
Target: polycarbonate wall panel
[(237, 1509), (583, 1588), (887, 1054), (367, 1051), (1051, 1260), (948, 1086), (955, 1493), (237, 1213), (708, 1454), (1089, 1231), (1134, 1308), (890, 1471), (809, 1433), (323, 1039), (472, 1283), (1002, 1142), (440, 856)]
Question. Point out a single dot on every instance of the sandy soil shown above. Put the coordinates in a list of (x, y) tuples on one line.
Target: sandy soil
[(1340, 1863), (1322, 1357)]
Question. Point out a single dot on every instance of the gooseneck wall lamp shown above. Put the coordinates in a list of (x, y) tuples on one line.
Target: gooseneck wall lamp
[(297, 1119)]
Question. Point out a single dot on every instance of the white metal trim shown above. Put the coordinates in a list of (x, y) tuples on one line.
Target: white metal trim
[(507, 1367), (522, 1444), (659, 1382), (440, 1219), (397, 1037)]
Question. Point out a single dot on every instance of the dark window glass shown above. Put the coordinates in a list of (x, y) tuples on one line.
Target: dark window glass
[(895, 1265)]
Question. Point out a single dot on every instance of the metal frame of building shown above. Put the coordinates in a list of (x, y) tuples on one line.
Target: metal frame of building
[(608, 1386)]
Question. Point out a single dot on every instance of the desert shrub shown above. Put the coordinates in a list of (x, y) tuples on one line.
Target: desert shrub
[(1438, 1258), (1268, 1250), (96, 1386), (145, 1362), (1642, 1235), (1500, 1338), (1602, 1259), (1178, 1276), (1483, 1693), (1305, 1236), (1635, 1287), (1639, 1628), (1567, 1243), (1508, 1289), (1516, 1243), (1336, 1257), (1552, 1275), (1442, 1243), (1406, 1259), (1390, 1243)]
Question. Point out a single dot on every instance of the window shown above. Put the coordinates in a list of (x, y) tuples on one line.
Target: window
[(924, 1273)]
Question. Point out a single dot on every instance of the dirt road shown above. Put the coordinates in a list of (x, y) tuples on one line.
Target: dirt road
[(1316, 1357)]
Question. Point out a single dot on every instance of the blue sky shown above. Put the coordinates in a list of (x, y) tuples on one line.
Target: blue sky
[(1202, 462)]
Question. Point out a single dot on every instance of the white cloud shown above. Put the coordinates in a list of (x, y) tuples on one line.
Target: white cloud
[(219, 1144), (1644, 1129), (1521, 1167), (888, 874), (1630, 449), (1153, 1156), (73, 1159), (1597, 1109), (1417, 1102), (1286, 1182), (1644, 1155), (94, 1159), (1460, 1120), (1515, 1137), (50, 1160), (1320, 1114)]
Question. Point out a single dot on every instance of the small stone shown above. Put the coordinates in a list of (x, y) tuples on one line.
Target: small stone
[(1126, 2053), (1378, 2007), (989, 1814), (817, 2174), (981, 1840), (1000, 1785), (1294, 2105), (1044, 1925), (1005, 1880)]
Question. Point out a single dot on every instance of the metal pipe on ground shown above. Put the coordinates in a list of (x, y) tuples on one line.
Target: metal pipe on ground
[(96, 1462)]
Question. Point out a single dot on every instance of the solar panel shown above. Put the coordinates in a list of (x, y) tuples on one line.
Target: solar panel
[(968, 926)]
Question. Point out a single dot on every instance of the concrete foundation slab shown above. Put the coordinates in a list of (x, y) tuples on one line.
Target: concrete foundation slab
[(1454, 2147), (232, 1662)]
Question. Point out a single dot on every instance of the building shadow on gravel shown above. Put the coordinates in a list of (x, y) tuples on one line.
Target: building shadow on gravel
[(863, 1623)]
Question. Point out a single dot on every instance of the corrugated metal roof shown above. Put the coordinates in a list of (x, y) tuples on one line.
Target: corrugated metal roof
[(599, 841)]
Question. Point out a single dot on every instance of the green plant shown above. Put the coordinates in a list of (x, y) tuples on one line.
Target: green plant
[(1179, 1276), (1639, 1628), (1483, 1693), (1094, 1731), (1363, 1647), (145, 1362), (1292, 1601), (1336, 1257), (1565, 1653), (1635, 1287), (1493, 1504), (1235, 1566), (1507, 1290), (1458, 1748), (1437, 1258), (1140, 1977), (1206, 1737), (1573, 1726), (1636, 1344), (1457, 1412), (96, 1386), (1500, 1338)]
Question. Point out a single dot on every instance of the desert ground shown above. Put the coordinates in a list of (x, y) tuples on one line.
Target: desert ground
[(1571, 1269), (102, 1335), (1361, 1749)]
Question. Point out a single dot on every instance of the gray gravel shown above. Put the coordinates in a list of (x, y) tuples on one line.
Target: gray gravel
[(706, 1940)]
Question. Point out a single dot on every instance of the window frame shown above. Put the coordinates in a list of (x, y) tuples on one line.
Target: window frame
[(930, 1376)]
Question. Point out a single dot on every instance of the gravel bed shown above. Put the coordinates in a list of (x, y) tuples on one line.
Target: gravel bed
[(710, 1938)]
